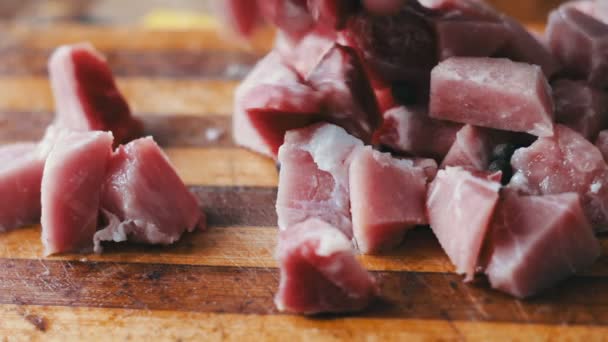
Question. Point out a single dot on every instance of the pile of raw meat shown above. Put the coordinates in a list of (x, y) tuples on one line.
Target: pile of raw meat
[(387, 115), (77, 185)]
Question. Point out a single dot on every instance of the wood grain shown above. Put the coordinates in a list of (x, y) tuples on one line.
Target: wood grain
[(157, 96), (95, 324)]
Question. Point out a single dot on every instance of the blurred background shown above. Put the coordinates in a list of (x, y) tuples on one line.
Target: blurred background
[(180, 13)]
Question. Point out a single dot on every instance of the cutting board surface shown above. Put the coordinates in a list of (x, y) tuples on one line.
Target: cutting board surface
[(219, 284)]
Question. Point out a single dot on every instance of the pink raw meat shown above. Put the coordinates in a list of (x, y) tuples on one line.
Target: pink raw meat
[(331, 13), (272, 100), (319, 272), (460, 208), (470, 38), (242, 16), (144, 199), (313, 181), (291, 16), (349, 99), (71, 185), (492, 92), (602, 144), (397, 47), (580, 42), (21, 168), (86, 95), (383, 7), (387, 198), (566, 162), (463, 9), (580, 107), (472, 149), (306, 53), (408, 129), (536, 241)]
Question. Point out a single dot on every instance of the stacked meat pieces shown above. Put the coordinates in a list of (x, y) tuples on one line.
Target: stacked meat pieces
[(75, 183), (515, 121)]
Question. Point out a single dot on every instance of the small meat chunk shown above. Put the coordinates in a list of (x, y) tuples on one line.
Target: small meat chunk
[(387, 198), (602, 143), (21, 168), (566, 162), (460, 206), (409, 130), (492, 92), (348, 96), (86, 95), (472, 149), (272, 100), (242, 16), (580, 107), (71, 187), (319, 272), (537, 241), (291, 16), (331, 13), (470, 38), (580, 42), (313, 180), (143, 198), (304, 54)]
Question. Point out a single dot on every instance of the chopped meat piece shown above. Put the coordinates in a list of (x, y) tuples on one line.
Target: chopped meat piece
[(398, 47), (492, 92), (319, 272), (463, 9), (537, 241), (291, 16), (602, 144), (387, 198), (524, 47), (460, 207), (580, 42), (20, 178), (408, 129), (71, 187), (144, 199), (580, 107), (566, 162), (349, 98), (383, 7), (86, 95), (306, 53), (331, 13), (386, 99), (470, 38), (242, 16), (313, 181), (272, 100), (472, 149)]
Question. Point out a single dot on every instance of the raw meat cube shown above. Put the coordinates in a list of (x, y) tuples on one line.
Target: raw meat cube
[(460, 207), (472, 149), (580, 42), (21, 168), (566, 162), (537, 241), (313, 181), (580, 107), (397, 47), (306, 53), (387, 198), (71, 185), (492, 92), (144, 199), (242, 16), (349, 99), (291, 16), (331, 13), (408, 129), (602, 144), (470, 38), (272, 100), (86, 95), (319, 272)]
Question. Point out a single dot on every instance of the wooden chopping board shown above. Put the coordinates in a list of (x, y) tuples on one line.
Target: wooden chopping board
[(219, 284)]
